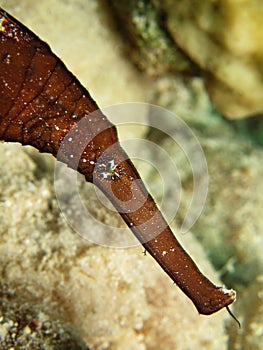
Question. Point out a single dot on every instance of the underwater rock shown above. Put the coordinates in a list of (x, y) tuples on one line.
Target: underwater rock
[(225, 39), (251, 309), (147, 43), (24, 325), (233, 209)]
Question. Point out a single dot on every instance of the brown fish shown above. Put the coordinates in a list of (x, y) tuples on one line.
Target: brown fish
[(43, 105)]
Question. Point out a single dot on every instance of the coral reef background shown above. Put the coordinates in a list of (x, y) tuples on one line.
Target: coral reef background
[(119, 298)]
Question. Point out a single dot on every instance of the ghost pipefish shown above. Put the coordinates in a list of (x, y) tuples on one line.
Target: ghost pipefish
[(42, 104)]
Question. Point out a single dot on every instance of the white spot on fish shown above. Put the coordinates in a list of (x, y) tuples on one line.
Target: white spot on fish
[(2, 27)]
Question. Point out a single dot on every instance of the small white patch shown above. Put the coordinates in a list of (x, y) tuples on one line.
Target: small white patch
[(104, 175), (2, 27), (109, 170), (56, 127), (231, 292), (7, 58), (164, 253), (70, 139), (112, 164)]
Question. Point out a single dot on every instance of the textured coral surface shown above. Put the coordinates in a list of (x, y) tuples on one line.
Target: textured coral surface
[(118, 298), (225, 39)]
